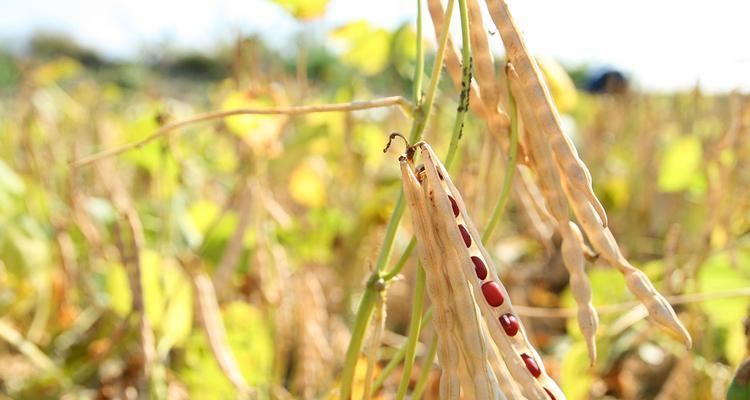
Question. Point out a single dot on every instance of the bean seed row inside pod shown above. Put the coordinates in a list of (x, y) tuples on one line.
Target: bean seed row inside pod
[(468, 267)]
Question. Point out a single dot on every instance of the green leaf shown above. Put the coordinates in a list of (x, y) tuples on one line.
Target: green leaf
[(177, 321), (10, 182), (681, 165), (153, 294), (575, 375), (251, 340), (718, 275)]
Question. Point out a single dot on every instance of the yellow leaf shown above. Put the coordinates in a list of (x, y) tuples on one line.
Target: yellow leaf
[(304, 9), (118, 289), (366, 47), (681, 165), (56, 70), (306, 186), (575, 375), (561, 87)]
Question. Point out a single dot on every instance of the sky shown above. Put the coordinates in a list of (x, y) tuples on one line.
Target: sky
[(664, 44)]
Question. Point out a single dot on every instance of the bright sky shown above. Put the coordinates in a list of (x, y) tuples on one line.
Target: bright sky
[(665, 44)]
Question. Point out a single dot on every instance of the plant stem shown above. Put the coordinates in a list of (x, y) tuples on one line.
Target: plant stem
[(463, 103), (463, 106), (423, 110), (510, 169), (401, 261), (419, 68), (365, 309), (364, 313), (428, 360), (415, 329), (397, 357)]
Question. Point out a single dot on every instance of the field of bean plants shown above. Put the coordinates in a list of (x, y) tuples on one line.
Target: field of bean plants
[(382, 214)]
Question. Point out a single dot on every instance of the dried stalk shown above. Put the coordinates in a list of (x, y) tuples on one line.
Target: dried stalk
[(211, 115), (207, 310), (131, 259)]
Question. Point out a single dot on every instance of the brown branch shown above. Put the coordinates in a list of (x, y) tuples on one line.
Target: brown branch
[(234, 248), (211, 115), (543, 312)]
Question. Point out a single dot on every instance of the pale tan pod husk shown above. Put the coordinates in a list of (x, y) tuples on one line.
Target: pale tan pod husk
[(484, 63), (537, 105), (476, 351), (508, 386), (604, 243), (443, 315), (511, 348), (572, 242)]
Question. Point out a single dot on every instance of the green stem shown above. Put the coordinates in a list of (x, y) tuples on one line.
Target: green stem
[(426, 368), (365, 309), (401, 261), (364, 313), (416, 327), (390, 234), (463, 106), (419, 68), (396, 359), (510, 169), (463, 103), (424, 109)]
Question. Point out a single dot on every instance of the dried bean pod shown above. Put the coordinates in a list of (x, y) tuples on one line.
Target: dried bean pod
[(572, 242), (437, 287), (605, 244), (536, 104), (515, 350)]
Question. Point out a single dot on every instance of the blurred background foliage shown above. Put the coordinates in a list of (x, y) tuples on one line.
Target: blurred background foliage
[(285, 215)]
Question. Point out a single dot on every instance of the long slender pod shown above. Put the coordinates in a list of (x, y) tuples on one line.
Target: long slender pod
[(476, 349), (537, 104), (524, 363), (437, 288), (604, 243), (572, 247), (451, 297)]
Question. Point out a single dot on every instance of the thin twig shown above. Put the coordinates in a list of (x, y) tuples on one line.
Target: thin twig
[(543, 312), (233, 252), (209, 317), (211, 115)]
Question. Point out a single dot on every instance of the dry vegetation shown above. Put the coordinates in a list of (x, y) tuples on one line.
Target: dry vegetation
[(150, 248)]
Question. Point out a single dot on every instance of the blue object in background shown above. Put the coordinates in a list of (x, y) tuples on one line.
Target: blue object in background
[(606, 80)]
